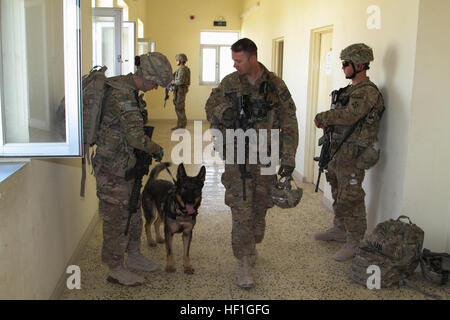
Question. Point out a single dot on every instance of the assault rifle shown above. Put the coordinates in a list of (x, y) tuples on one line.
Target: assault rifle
[(242, 122), (166, 97), (140, 169), (325, 156)]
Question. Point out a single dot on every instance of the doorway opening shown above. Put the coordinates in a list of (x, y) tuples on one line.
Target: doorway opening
[(319, 89), (114, 41)]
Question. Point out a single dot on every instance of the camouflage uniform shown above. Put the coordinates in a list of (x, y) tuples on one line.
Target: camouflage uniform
[(279, 113), (181, 82), (347, 169), (121, 131)]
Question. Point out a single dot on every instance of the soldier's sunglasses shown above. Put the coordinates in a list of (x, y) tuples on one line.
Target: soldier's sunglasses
[(345, 64)]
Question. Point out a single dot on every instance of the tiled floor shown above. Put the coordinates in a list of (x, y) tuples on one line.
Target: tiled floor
[(291, 264)]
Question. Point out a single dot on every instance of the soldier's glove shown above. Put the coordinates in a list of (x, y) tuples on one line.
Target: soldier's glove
[(158, 155), (285, 171)]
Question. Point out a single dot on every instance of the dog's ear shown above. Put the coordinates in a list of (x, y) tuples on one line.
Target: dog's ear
[(201, 175), (181, 172)]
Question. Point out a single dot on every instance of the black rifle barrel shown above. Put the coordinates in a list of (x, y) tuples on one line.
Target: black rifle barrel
[(140, 169), (318, 180)]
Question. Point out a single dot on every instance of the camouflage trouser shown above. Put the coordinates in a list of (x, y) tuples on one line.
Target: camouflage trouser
[(346, 188), (249, 217), (179, 100), (114, 193)]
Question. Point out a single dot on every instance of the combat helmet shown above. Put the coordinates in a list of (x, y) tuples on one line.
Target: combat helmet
[(181, 57), (155, 68), (283, 195), (358, 53)]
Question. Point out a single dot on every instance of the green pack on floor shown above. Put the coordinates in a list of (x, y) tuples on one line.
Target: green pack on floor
[(394, 246)]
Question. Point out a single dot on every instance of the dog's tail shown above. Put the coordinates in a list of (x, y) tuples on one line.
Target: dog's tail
[(157, 169)]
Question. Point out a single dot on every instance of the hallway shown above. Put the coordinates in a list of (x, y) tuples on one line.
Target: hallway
[(291, 264)]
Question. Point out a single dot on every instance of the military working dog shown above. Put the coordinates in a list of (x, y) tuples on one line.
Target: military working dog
[(176, 204)]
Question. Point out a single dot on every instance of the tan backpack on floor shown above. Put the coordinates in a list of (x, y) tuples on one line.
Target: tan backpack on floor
[(394, 246)]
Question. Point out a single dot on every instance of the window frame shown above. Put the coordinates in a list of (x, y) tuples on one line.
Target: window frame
[(73, 146), (217, 47)]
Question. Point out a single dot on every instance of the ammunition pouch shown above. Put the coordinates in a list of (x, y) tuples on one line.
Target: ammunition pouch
[(367, 158)]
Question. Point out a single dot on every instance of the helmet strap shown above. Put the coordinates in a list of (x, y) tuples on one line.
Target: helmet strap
[(355, 73)]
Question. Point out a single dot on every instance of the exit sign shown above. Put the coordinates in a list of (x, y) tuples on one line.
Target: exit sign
[(220, 23)]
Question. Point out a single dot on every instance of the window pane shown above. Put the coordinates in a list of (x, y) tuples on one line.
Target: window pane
[(33, 69), (209, 37), (226, 63), (209, 65), (39, 66)]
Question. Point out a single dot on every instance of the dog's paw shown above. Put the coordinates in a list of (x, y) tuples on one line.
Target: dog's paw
[(189, 270), (170, 269)]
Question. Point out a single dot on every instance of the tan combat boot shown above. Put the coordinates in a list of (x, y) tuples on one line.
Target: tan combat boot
[(124, 277), (137, 261), (336, 233), (348, 251), (244, 278)]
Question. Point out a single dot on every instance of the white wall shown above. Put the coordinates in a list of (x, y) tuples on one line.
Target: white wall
[(427, 183), (42, 217), (393, 71), (42, 221)]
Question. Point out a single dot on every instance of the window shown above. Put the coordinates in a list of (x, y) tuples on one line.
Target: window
[(39, 65), (215, 55)]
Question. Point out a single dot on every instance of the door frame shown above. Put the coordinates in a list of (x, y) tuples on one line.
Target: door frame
[(277, 65), (311, 110)]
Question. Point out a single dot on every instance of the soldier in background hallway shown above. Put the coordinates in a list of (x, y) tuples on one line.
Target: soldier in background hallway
[(121, 131), (359, 107), (268, 105), (180, 84)]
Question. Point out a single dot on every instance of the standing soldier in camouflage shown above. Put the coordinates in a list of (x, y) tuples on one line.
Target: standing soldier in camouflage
[(180, 85), (359, 108), (121, 131), (268, 105)]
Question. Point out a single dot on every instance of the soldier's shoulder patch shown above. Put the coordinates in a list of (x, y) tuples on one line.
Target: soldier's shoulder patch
[(129, 106), (358, 95)]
